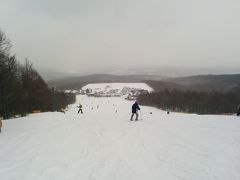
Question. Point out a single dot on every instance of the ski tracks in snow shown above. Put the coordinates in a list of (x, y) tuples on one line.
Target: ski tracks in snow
[(103, 144)]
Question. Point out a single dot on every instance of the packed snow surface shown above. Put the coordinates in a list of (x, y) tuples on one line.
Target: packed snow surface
[(120, 86), (102, 144)]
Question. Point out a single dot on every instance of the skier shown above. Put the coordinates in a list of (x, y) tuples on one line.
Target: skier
[(238, 110), (135, 108), (80, 109)]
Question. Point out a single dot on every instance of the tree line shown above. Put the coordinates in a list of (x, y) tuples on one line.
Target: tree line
[(193, 101), (22, 89)]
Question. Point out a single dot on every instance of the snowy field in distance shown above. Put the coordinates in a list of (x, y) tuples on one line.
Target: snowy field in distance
[(120, 86), (102, 144)]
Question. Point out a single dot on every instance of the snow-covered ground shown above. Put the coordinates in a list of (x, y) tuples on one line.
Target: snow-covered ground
[(102, 144)]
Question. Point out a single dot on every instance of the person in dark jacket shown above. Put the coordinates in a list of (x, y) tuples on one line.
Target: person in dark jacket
[(80, 109), (135, 108)]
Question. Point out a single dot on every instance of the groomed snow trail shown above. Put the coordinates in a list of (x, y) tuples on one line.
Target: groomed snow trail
[(104, 145)]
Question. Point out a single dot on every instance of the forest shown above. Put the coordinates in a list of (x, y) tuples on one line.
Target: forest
[(22, 89), (193, 101)]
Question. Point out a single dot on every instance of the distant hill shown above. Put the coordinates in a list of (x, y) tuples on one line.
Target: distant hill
[(207, 83), (79, 82), (162, 85)]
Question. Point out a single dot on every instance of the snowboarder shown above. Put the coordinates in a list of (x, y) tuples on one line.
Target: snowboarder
[(80, 109), (238, 110), (135, 108)]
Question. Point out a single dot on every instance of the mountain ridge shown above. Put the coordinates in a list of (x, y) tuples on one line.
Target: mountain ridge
[(207, 82)]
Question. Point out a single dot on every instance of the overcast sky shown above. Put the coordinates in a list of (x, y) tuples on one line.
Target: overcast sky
[(93, 35)]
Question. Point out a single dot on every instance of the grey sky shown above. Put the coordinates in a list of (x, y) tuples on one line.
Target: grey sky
[(93, 35)]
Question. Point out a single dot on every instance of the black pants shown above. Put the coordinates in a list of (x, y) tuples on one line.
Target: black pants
[(133, 115), (80, 110)]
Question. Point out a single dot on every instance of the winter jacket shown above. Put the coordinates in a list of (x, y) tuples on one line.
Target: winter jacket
[(135, 107)]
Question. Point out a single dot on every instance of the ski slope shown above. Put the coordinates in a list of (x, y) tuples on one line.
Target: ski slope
[(103, 144)]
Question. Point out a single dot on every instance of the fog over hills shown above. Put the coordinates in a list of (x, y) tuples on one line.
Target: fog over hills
[(163, 71), (77, 82), (208, 83), (222, 83)]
